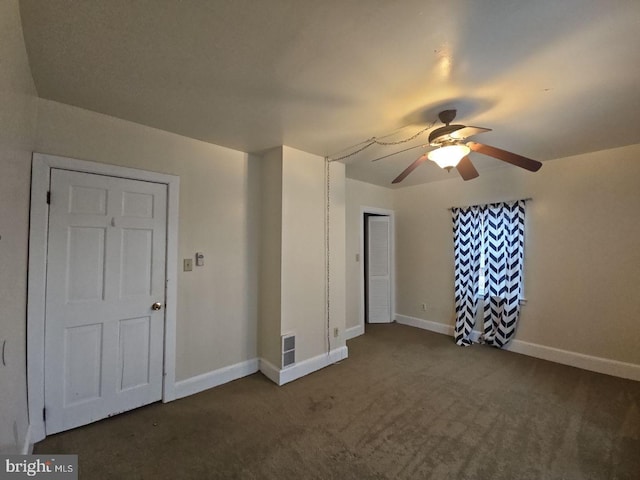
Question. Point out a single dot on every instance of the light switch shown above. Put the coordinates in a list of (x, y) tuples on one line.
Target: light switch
[(199, 259), (187, 264)]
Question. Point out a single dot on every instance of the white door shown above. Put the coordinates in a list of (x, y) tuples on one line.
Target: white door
[(379, 269), (105, 270)]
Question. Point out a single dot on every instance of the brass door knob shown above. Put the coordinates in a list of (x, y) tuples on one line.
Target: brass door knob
[(156, 306)]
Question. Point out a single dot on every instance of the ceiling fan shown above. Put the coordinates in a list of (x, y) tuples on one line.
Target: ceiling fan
[(452, 152)]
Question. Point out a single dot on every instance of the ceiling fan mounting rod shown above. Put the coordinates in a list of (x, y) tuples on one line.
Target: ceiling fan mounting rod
[(447, 116)]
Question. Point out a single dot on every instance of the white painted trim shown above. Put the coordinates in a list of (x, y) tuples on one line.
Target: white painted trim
[(552, 354), (27, 446), (223, 375), (392, 247), (36, 281), (353, 332), (312, 364), (270, 371), (425, 324), (39, 213), (574, 359), (171, 290), (300, 369)]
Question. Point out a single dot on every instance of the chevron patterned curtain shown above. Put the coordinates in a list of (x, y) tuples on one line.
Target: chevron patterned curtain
[(467, 238), (503, 239)]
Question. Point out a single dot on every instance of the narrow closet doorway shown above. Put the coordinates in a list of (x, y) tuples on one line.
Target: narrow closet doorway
[(377, 275)]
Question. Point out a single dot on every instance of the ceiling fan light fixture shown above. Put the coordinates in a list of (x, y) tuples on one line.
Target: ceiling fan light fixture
[(448, 156)]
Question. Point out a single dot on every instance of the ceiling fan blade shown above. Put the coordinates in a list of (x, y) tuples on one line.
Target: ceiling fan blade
[(399, 151), (420, 160), (466, 132), (466, 169), (512, 158)]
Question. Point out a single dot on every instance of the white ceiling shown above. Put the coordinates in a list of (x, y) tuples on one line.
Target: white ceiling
[(552, 78)]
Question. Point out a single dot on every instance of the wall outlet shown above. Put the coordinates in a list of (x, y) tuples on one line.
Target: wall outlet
[(336, 331), (424, 307), (187, 264)]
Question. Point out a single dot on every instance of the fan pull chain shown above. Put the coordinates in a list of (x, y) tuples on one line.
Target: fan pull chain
[(375, 141)]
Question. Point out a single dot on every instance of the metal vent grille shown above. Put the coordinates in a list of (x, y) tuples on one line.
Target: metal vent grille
[(288, 350)]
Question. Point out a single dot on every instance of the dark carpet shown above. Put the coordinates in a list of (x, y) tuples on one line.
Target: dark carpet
[(407, 403)]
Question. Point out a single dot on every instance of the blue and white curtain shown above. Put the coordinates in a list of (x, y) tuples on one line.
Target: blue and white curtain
[(467, 240), (497, 229), (503, 239)]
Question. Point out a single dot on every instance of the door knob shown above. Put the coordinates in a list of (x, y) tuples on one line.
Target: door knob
[(156, 306)]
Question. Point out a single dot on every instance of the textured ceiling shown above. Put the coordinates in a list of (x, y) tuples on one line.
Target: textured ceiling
[(551, 78)]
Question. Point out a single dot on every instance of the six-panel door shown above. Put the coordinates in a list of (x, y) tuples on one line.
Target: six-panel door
[(105, 270)]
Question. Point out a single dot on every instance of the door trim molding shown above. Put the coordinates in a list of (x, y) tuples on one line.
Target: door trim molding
[(392, 247), (40, 178)]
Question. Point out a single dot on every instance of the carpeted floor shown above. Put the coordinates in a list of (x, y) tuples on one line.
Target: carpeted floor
[(406, 404)]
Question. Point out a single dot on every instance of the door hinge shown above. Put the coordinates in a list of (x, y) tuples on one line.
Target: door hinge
[(44, 414), (49, 197)]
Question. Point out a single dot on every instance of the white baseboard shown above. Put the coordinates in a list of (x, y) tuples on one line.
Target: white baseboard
[(27, 446), (574, 359), (289, 374), (208, 380), (197, 384), (425, 324), (557, 355), (353, 332), (270, 371)]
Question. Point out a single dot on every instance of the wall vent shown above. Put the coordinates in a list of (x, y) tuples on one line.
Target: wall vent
[(288, 350)]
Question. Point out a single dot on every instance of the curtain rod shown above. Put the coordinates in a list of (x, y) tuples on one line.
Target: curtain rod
[(507, 201)]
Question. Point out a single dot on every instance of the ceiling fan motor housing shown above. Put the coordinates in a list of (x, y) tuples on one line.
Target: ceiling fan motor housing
[(442, 136)]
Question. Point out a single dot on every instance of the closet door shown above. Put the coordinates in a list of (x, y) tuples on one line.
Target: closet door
[(104, 297), (379, 269)]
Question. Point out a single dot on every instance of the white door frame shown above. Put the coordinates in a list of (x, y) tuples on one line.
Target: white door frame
[(36, 296), (392, 227)]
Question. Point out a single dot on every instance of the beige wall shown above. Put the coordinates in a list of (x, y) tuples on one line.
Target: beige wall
[(337, 264), (358, 195), (299, 246), (304, 271), (269, 322), (17, 132), (582, 257), (217, 303), (303, 240)]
